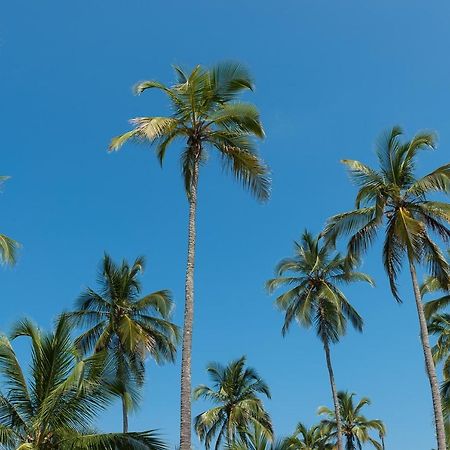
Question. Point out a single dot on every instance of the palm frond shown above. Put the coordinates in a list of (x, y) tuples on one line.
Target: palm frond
[(8, 249), (436, 181), (146, 440), (246, 166)]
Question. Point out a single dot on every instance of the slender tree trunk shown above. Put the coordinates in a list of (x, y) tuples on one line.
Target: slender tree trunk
[(124, 415), (186, 421), (337, 410), (429, 363)]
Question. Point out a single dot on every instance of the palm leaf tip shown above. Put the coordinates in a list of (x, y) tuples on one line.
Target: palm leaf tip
[(117, 142), (8, 250)]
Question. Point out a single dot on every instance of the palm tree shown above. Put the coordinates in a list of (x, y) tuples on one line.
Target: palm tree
[(8, 246), (205, 115), (256, 439), (313, 297), (313, 438), (394, 195), (438, 323), (52, 405), (432, 285), (355, 427), (235, 391), (127, 325)]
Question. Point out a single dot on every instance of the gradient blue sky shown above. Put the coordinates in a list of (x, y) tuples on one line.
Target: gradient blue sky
[(330, 77)]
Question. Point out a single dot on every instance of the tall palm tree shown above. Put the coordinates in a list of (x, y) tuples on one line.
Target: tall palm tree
[(205, 116), (392, 194), (8, 246), (355, 427), (313, 297), (52, 405), (316, 437), (236, 391), (129, 326)]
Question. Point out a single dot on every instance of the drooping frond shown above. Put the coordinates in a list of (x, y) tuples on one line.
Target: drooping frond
[(247, 168), (348, 223)]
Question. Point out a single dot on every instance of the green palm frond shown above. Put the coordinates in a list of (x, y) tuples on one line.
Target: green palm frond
[(125, 441), (437, 181), (8, 246), (8, 249)]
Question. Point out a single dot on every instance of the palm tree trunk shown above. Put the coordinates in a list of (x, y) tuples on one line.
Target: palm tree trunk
[(337, 410), (124, 415), (186, 355), (431, 370)]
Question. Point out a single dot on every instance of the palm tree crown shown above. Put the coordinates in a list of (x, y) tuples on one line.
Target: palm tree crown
[(52, 407), (355, 427), (235, 391), (129, 326), (205, 113), (313, 297), (312, 438), (395, 194)]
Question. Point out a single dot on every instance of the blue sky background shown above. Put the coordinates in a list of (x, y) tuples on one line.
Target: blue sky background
[(330, 77)]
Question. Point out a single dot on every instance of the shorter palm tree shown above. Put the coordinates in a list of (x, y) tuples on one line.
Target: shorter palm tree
[(8, 246), (316, 437), (313, 297), (257, 440), (129, 327), (236, 391), (52, 406), (438, 323), (356, 428)]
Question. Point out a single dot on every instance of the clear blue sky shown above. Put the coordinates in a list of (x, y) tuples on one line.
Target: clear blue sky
[(330, 77)]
